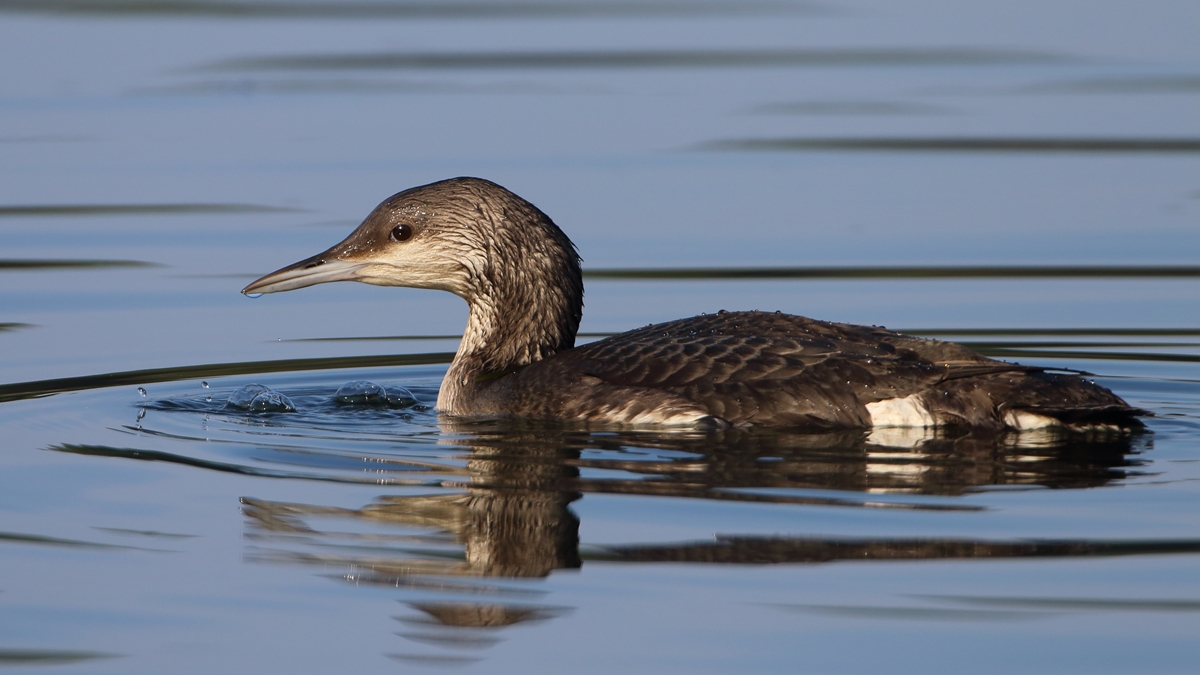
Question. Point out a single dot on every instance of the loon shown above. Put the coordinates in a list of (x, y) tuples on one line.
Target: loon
[(521, 278)]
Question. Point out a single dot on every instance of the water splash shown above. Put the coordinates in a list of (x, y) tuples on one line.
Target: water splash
[(363, 392), (259, 398)]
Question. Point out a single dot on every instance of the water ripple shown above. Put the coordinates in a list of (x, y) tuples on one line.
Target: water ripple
[(633, 58), (34, 210), (48, 657), (23, 264), (899, 272), (39, 388), (408, 9), (1099, 144)]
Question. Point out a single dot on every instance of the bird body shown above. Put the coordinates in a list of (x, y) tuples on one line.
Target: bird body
[(760, 368), (522, 282)]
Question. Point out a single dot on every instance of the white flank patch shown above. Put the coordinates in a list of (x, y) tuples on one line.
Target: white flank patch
[(1023, 419), (896, 469), (656, 417), (899, 437), (900, 412)]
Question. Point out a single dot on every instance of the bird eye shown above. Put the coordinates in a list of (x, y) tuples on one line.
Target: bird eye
[(402, 232)]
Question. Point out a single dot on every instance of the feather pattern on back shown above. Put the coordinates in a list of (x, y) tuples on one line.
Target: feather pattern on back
[(780, 369)]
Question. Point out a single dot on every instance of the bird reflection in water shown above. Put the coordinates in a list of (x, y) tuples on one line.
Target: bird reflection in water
[(509, 516)]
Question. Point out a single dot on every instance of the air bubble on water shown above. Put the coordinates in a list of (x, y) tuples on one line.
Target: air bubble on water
[(400, 397), (259, 398), (242, 398), (254, 295), (204, 384), (142, 391), (362, 392), (208, 399), (272, 401)]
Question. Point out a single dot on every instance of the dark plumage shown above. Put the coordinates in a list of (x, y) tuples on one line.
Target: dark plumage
[(521, 279)]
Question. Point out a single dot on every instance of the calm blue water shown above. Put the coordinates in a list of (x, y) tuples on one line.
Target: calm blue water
[(154, 158)]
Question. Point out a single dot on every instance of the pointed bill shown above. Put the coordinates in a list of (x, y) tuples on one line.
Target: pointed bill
[(318, 269)]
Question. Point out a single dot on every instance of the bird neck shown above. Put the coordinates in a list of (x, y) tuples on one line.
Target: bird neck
[(516, 317)]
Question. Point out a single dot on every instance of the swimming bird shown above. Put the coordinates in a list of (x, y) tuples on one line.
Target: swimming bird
[(521, 278)]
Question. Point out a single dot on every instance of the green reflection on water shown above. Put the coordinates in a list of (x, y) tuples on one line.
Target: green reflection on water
[(46, 657), (633, 58), (46, 264), (23, 210), (453, 9), (39, 540), (14, 326), (144, 533), (1101, 604), (898, 272), (962, 144), (1161, 84)]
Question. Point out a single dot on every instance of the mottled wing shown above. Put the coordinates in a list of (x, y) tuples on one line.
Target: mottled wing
[(762, 368)]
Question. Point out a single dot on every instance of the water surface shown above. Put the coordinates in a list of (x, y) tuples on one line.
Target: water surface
[(1017, 177)]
